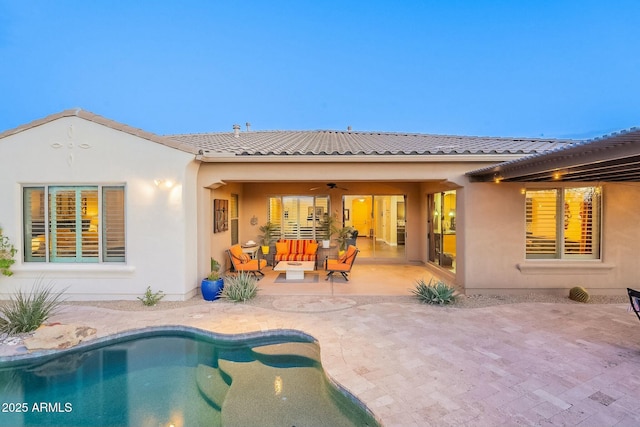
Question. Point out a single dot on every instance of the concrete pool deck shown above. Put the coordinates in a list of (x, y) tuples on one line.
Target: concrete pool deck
[(550, 364)]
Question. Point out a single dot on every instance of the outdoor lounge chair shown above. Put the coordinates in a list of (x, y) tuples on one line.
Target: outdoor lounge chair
[(341, 265), (634, 299), (243, 262)]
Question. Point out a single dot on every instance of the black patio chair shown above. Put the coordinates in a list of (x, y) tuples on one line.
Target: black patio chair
[(634, 299)]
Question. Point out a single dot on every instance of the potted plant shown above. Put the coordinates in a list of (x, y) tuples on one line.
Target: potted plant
[(344, 236), (328, 230), (212, 285), (266, 237)]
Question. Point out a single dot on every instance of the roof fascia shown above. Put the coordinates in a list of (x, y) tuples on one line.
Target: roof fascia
[(439, 158), (549, 164)]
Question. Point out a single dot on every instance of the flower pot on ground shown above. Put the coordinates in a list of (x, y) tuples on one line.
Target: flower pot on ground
[(211, 288), (213, 284)]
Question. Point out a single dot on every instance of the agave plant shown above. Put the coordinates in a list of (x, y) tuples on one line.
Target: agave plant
[(434, 293), (25, 312), (240, 288)]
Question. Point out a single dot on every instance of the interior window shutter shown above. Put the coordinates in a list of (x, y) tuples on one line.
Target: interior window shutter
[(34, 221), (89, 215), (582, 219), (63, 237), (233, 219), (113, 224), (541, 223)]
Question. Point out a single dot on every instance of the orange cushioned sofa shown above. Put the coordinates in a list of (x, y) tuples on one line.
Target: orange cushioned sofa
[(296, 250)]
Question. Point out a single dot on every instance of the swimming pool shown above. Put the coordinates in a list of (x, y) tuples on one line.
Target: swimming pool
[(179, 376)]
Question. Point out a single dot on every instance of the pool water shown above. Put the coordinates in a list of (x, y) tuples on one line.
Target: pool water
[(179, 377)]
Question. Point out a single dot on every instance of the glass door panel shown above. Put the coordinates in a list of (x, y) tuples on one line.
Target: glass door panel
[(442, 229), (380, 222)]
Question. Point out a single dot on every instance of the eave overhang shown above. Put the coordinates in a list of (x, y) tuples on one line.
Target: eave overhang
[(367, 158), (614, 157)]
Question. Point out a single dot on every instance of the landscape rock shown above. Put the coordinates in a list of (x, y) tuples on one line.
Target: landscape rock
[(58, 337)]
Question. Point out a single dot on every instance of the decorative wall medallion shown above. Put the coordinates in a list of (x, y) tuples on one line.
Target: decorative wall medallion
[(70, 145)]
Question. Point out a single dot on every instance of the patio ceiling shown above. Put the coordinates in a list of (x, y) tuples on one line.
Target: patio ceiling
[(614, 157)]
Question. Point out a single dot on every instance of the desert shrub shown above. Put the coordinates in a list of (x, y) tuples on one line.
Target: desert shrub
[(25, 312), (150, 298), (434, 293), (7, 254), (241, 287)]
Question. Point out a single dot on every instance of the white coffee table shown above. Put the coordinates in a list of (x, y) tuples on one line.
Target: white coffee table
[(294, 270)]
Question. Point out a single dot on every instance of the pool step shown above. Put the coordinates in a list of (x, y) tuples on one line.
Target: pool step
[(292, 353), (291, 396), (212, 385), (286, 387)]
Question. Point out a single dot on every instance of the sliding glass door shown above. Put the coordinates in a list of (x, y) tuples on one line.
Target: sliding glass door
[(380, 222), (442, 229)]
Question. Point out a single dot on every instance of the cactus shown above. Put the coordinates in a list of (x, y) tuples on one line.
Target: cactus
[(578, 293)]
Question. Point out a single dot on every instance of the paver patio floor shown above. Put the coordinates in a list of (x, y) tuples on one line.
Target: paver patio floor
[(417, 365)]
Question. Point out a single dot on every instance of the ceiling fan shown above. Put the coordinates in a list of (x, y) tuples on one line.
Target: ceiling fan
[(330, 186)]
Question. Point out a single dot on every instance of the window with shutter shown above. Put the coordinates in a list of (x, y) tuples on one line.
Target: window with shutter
[(233, 218), (76, 224), (298, 217), (563, 223)]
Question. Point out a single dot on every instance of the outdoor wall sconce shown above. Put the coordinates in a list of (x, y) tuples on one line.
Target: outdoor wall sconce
[(164, 183), (254, 220)]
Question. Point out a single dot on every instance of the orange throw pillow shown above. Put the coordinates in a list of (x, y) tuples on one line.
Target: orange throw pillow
[(236, 251), (282, 247), (312, 248)]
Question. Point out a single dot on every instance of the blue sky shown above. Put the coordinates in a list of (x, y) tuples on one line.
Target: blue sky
[(499, 68)]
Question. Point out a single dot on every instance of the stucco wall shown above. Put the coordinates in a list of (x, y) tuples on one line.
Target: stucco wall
[(494, 242), (160, 221)]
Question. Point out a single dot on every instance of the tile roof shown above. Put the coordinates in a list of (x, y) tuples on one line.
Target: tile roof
[(95, 118), (326, 142), (320, 142)]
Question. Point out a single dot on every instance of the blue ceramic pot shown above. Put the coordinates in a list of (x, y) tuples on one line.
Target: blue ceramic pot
[(211, 289)]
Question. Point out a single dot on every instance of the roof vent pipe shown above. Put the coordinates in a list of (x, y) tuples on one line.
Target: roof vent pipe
[(248, 126), (236, 130), (348, 128)]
